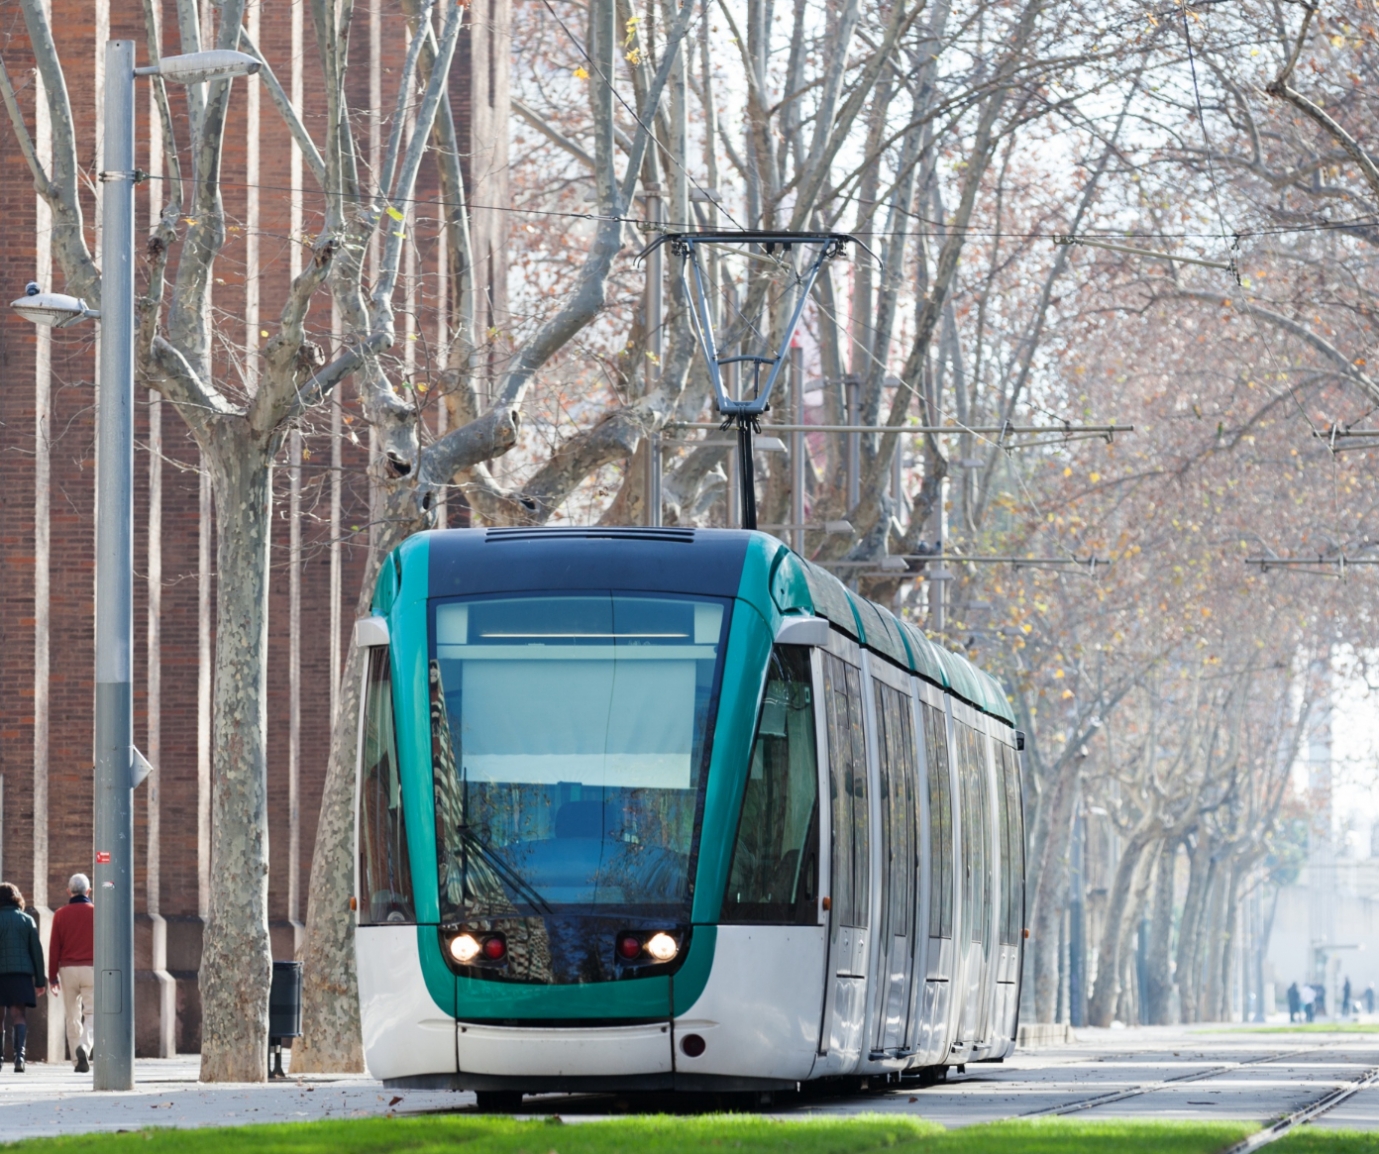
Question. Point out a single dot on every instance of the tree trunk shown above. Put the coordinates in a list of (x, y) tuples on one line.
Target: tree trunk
[(1051, 896), (1101, 1009), (1190, 926), (1261, 950), (331, 1042), (1230, 916), (236, 960), (1158, 991), (1208, 950)]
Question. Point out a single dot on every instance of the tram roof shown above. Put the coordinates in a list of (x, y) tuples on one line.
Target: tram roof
[(879, 629), (463, 562)]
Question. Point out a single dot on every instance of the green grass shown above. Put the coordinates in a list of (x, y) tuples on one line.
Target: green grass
[(1074, 1136), (1301, 1028), (1305, 1140), (646, 1134), (661, 1134)]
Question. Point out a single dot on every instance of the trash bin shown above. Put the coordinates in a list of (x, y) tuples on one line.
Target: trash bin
[(284, 1012)]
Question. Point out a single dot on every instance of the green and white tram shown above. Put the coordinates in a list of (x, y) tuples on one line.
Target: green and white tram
[(673, 809)]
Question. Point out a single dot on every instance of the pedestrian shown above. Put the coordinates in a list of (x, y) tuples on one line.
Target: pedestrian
[(1294, 1003), (1308, 996), (72, 968), (21, 969), (1369, 998), (1345, 998)]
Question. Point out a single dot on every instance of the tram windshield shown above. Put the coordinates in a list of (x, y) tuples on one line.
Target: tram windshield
[(568, 751)]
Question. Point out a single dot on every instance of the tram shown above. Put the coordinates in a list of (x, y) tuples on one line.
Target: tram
[(673, 809)]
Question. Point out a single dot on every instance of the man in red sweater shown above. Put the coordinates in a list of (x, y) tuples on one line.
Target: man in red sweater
[(71, 967)]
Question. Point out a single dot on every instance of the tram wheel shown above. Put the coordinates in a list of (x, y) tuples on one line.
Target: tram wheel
[(499, 1101)]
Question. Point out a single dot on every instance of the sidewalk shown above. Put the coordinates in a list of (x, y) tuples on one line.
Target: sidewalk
[(47, 1100)]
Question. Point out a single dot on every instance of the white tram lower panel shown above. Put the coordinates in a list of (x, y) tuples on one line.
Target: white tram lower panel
[(760, 1012), (405, 1033)]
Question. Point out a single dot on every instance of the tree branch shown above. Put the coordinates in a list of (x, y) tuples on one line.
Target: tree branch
[(1345, 367), (310, 152), (290, 357), (45, 187), (69, 234)]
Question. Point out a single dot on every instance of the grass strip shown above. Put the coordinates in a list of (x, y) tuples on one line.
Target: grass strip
[(1076, 1135), (664, 1134), (1306, 1140), (474, 1134), (1302, 1028)]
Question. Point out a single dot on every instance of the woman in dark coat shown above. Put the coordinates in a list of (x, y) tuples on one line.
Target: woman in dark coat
[(21, 968)]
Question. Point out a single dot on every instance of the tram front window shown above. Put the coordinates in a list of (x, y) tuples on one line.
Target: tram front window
[(568, 746)]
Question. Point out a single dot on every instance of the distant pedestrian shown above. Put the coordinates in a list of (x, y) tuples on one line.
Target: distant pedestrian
[(1308, 995), (1345, 998), (21, 969), (1369, 998), (1294, 1003), (1321, 1000), (71, 967)]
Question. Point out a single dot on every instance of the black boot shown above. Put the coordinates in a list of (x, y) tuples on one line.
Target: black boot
[(21, 1035)]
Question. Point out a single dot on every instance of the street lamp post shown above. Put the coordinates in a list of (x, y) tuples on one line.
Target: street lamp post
[(114, 792), (118, 763)]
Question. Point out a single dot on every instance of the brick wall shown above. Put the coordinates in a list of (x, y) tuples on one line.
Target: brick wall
[(38, 850)]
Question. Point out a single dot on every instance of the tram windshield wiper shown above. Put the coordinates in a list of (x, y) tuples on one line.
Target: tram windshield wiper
[(506, 874)]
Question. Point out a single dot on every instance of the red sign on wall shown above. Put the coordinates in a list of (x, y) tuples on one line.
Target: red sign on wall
[(102, 857)]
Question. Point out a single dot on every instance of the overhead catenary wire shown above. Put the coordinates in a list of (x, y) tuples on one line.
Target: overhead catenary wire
[(975, 231)]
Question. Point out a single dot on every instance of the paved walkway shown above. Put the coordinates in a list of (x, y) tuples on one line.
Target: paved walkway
[(48, 1100), (1170, 1072)]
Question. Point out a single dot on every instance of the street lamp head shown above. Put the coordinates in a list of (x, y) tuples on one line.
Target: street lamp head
[(58, 310), (194, 67)]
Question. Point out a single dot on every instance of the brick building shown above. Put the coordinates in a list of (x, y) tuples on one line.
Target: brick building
[(47, 494)]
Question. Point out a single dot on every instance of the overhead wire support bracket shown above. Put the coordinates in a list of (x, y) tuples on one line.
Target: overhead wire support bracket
[(744, 413), (1231, 266), (1364, 438), (1059, 434), (1321, 565)]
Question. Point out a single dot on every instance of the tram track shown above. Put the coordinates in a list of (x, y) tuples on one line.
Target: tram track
[(1113, 1096), (1304, 1114)]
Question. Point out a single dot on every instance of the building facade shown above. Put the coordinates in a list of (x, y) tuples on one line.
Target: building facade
[(48, 499)]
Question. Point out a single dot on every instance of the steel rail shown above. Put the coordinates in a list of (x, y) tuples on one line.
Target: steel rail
[(1305, 1114), (1111, 1096)]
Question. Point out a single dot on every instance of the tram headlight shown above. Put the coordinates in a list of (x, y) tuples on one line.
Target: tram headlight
[(464, 948), (662, 947)]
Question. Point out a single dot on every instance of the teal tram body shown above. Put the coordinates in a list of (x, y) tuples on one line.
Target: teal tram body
[(673, 809)]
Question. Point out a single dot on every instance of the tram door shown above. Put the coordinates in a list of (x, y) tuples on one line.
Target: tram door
[(975, 925), (939, 961), (850, 855), (894, 952), (1011, 913)]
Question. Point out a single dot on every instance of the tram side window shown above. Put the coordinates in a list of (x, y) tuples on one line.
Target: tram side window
[(895, 733), (775, 871), (1013, 863), (940, 825), (847, 760), (385, 875)]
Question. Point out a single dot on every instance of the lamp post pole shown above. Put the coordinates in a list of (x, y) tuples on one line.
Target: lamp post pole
[(114, 785)]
